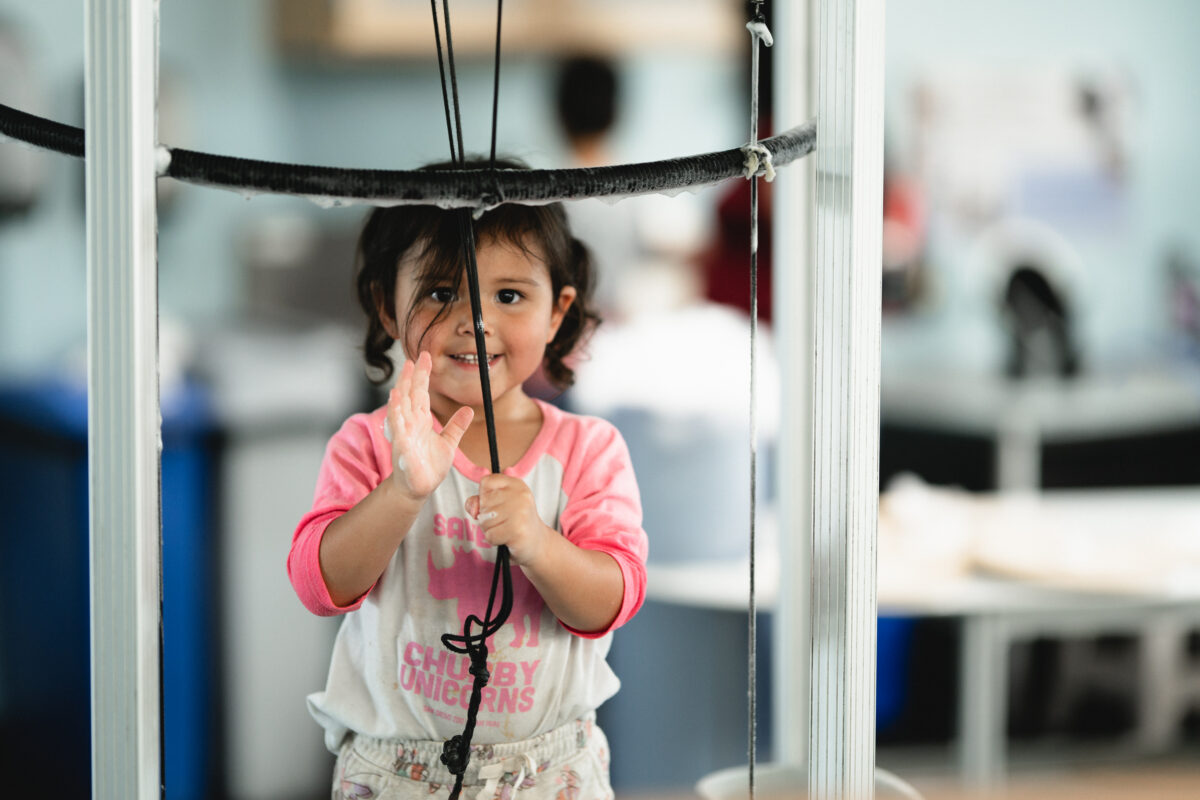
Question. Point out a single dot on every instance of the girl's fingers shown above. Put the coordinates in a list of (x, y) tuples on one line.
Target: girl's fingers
[(397, 397), (395, 427), (420, 390), (472, 507), (405, 378), (406, 408), (391, 427), (457, 425)]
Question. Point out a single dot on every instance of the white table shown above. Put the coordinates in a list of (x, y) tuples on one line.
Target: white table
[(1024, 415), (996, 612)]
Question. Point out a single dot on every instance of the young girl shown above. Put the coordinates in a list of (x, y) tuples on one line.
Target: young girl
[(406, 519)]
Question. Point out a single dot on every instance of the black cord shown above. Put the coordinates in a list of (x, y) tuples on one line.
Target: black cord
[(456, 752), (437, 37), (462, 153), (496, 82), (467, 229)]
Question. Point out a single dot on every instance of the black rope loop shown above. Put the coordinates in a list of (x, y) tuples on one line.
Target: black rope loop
[(447, 188), (474, 644)]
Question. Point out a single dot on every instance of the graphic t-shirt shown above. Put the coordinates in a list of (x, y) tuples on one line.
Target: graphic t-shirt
[(390, 676)]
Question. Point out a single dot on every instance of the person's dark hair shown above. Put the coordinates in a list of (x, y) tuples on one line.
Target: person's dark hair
[(540, 230), (586, 96)]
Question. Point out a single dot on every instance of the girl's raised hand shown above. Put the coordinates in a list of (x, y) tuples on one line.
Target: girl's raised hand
[(421, 457)]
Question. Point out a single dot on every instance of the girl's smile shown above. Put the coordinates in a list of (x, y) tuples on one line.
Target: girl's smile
[(471, 360)]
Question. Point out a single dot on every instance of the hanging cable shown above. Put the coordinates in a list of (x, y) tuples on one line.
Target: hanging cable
[(755, 165), (456, 157), (496, 83), (456, 752), (462, 153)]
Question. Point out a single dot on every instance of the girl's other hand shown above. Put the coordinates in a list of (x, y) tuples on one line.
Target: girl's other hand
[(505, 510), (421, 457)]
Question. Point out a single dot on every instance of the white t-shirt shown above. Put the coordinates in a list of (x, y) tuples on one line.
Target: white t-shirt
[(390, 675)]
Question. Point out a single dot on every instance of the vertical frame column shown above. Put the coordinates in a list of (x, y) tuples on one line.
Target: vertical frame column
[(846, 290), (121, 52), (793, 320)]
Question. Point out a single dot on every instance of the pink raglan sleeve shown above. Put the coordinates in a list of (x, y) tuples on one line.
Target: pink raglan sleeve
[(604, 510), (348, 473)]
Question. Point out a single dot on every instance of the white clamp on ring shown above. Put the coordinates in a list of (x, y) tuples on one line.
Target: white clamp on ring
[(162, 160), (759, 30), (758, 162)]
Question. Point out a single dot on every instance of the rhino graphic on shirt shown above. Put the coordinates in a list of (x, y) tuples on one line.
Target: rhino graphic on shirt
[(468, 580)]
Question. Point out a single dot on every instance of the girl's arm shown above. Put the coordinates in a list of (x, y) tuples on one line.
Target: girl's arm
[(357, 546), (584, 588)]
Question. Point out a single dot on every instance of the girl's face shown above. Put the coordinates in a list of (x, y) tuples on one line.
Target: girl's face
[(521, 315)]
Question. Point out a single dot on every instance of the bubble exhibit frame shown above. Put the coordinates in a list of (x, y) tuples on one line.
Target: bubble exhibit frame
[(829, 66)]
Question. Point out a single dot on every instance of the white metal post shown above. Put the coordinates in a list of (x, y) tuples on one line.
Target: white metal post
[(121, 52), (793, 318), (847, 278)]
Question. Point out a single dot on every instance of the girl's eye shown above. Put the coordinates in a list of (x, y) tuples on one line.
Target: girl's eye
[(508, 296), (442, 295)]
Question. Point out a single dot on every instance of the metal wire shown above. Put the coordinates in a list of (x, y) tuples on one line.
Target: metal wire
[(752, 620)]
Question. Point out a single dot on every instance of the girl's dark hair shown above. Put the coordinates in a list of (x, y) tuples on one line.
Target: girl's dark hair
[(542, 231)]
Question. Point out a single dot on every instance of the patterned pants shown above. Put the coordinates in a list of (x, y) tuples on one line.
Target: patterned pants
[(568, 763)]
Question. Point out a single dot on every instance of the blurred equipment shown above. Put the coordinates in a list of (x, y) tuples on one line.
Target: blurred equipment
[(1042, 143), (278, 394), (1036, 276), (1183, 276), (641, 245), (779, 781), (44, 600), (684, 418), (903, 243), (374, 29), (299, 270), (1039, 324)]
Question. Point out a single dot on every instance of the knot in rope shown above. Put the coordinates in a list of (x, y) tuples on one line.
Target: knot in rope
[(490, 198), (758, 162), (479, 668), (455, 756)]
